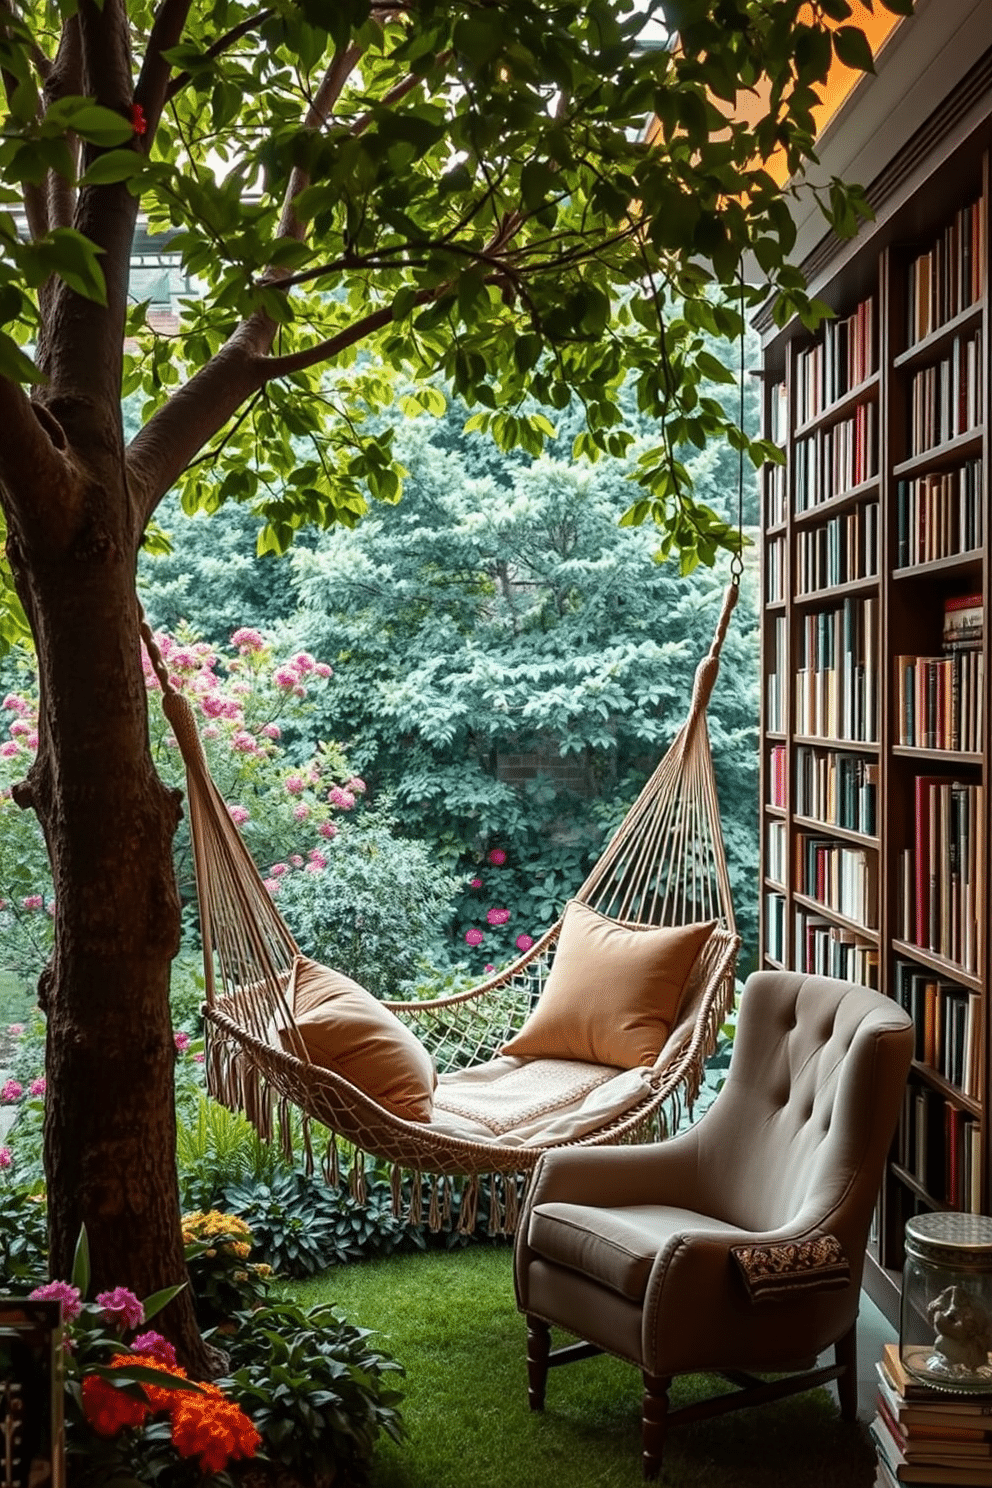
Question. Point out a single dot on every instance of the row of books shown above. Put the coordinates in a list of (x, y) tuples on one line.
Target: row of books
[(826, 949), (939, 1145), (946, 398), (775, 487), (940, 885), (778, 414), (840, 790), (945, 281), (778, 776), (775, 926), (776, 675), (842, 358), (947, 1020), (836, 459), (939, 700), (925, 1436), (836, 684), (775, 553), (939, 515), (839, 876), (776, 855), (841, 550)]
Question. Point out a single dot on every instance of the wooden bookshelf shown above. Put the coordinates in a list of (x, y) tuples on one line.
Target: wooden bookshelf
[(876, 744)]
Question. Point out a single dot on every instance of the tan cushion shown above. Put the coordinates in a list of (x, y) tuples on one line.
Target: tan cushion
[(613, 992), (616, 1247), (347, 1030)]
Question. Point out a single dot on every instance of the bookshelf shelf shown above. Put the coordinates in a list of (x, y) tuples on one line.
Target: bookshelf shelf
[(877, 582), (841, 407), (943, 336), (969, 443), (953, 564), (938, 964), (814, 824)]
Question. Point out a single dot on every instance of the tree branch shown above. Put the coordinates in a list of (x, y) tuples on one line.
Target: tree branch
[(326, 351), (217, 48), (33, 465), (153, 86), (65, 77), (341, 67)]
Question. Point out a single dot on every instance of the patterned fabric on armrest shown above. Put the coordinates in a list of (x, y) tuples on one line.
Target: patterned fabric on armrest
[(778, 1269)]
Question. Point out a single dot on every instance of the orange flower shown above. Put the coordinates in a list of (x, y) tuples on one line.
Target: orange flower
[(108, 1409), (211, 1427)]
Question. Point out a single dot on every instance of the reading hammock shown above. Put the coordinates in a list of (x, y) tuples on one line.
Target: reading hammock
[(493, 1114)]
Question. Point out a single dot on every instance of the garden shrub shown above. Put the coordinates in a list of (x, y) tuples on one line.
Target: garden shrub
[(23, 1239), (223, 1279), (316, 1388)]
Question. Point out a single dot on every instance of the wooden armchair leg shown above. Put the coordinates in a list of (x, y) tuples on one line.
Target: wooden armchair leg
[(538, 1352), (846, 1354), (654, 1422)]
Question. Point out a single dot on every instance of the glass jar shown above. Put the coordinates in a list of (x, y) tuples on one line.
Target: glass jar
[(945, 1331)]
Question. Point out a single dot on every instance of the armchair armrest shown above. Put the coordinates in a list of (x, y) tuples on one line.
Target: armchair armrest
[(656, 1173), (785, 1267)]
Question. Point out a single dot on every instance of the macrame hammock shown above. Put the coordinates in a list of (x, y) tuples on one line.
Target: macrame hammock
[(665, 865)]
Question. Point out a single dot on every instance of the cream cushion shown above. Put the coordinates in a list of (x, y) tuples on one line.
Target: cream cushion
[(613, 992), (345, 1029)]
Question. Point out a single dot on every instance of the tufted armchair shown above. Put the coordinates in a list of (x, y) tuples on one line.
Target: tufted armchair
[(739, 1245)]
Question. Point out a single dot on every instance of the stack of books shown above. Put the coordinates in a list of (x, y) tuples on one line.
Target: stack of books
[(927, 1437)]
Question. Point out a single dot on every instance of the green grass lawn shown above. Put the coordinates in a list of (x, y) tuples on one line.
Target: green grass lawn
[(450, 1318)]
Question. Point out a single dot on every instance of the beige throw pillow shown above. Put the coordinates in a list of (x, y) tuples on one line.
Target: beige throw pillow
[(613, 993), (347, 1030)]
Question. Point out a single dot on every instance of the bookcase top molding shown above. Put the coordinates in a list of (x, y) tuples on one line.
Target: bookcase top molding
[(914, 122)]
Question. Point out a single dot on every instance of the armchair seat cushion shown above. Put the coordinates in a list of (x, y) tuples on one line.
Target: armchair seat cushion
[(616, 1247)]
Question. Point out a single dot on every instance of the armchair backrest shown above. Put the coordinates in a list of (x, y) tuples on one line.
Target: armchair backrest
[(802, 1126)]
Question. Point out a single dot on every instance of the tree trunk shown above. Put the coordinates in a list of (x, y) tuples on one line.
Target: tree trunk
[(110, 1134)]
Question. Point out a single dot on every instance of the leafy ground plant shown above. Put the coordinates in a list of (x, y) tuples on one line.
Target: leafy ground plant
[(317, 1388)]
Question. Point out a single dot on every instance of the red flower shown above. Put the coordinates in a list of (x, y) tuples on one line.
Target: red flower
[(138, 121)]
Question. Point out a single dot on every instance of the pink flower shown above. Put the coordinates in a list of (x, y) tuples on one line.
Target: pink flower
[(286, 677), (6, 1157), (271, 730), (272, 885), (524, 942), (33, 739), (19, 729), (199, 1058), (10, 1091), (33, 901), (474, 937), (246, 640), (15, 1029), (121, 1308), (497, 916), (475, 883), (296, 860), (317, 857), (321, 669), (9, 749), (60, 1291), (342, 798), (156, 1347), (239, 815), (181, 1041), (303, 662), (327, 829), (278, 869), (211, 731), (212, 705), (244, 742), (496, 856), (295, 784), (38, 1087), (301, 811), (489, 966), (15, 704), (357, 785)]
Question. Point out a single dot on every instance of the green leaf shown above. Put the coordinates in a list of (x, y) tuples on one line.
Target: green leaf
[(158, 1300), (14, 364), (81, 1263), (74, 258), (115, 165), (98, 125), (851, 46)]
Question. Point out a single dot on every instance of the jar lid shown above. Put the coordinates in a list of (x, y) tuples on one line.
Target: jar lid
[(949, 1237)]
